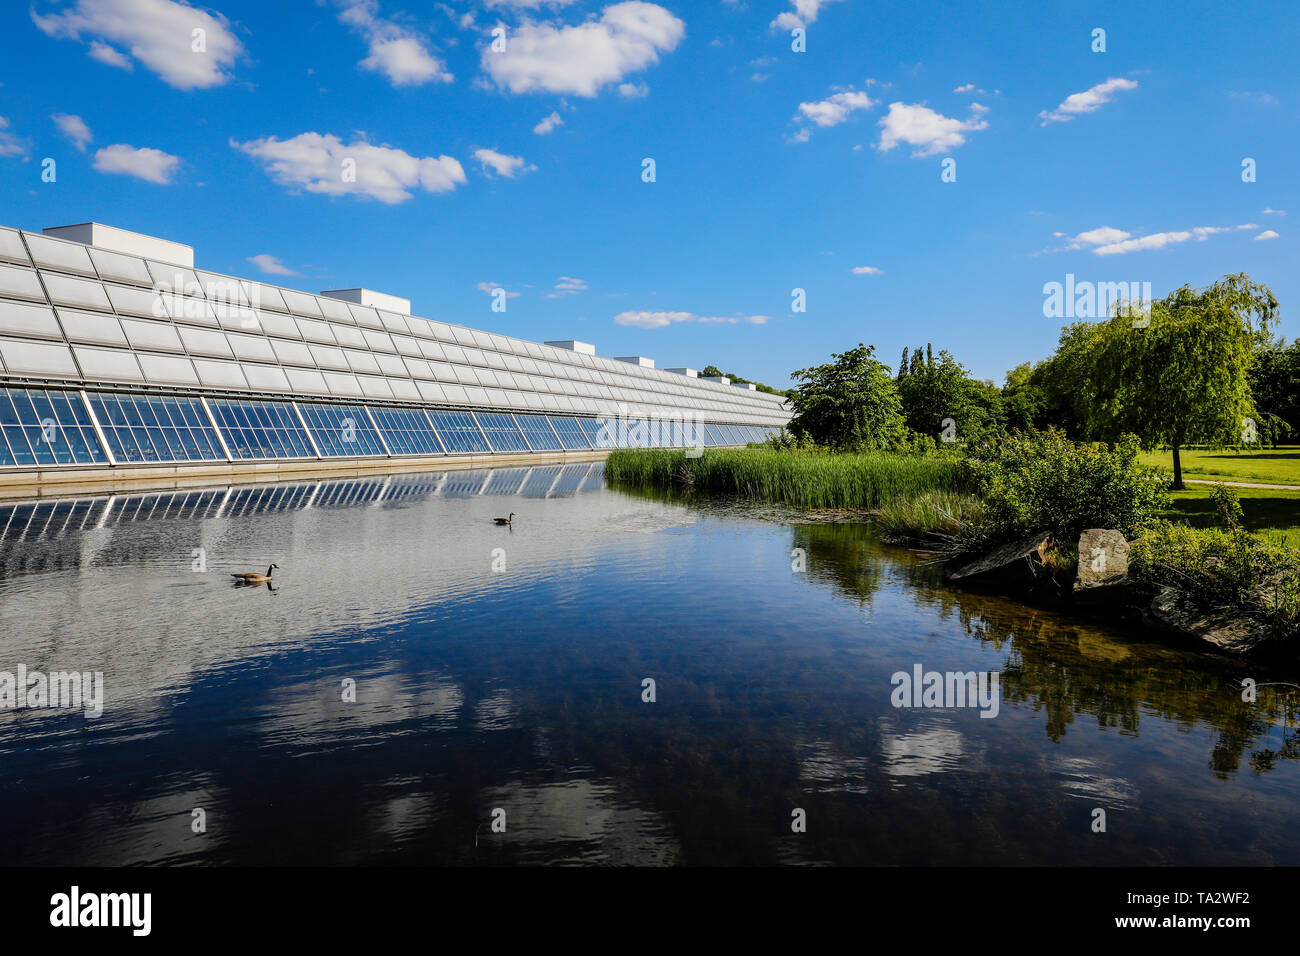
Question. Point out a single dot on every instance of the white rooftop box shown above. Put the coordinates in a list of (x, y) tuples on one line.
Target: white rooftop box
[(378, 300), (120, 240), (640, 360), (720, 379), (688, 372), (573, 345), (745, 385)]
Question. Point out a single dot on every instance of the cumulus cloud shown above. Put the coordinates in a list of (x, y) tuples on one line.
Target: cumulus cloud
[(633, 91), (1267, 234), (659, 320), (396, 52), (583, 59), (1089, 101), (501, 164), (271, 265), (835, 109), (490, 287), (930, 132), (151, 165), (74, 128), (803, 13), (1109, 241), (867, 271), (160, 34), (567, 285), (322, 163), (1274, 212), (548, 124), (10, 145)]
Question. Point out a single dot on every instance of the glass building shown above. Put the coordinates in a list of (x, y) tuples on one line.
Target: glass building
[(115, 351)]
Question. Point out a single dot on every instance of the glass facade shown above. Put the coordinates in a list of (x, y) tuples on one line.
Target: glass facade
[(44, 427), (538, 432), (571, 434), (261, 429), (459, 432), (501, 431), (407, 431), (341, 431), (152, 428)]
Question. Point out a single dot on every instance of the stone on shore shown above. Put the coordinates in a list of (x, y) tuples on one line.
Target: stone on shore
[(1228, 630), (1103, 560)]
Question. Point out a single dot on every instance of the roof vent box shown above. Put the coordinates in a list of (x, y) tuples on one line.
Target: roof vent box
[(573, 345), (640, 360), (378, 300), (688, 372), (120, 240)]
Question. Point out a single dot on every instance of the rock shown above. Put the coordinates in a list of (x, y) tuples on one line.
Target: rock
[(1103, 560), (1230, 630), (1018, 563)]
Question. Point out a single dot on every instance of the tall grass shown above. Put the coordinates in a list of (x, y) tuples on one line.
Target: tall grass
[(802, 479)]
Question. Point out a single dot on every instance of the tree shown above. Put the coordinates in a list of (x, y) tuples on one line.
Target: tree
[(934, 390), (848, 403), (1182, 378), (1275, 383)]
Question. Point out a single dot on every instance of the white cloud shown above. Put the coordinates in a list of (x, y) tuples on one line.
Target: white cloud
[(73, 127), (582, 59), (804, 13), (10, 145), (526, 4), (1274, 212), (1254, 96), (567, 285), (396, 52), (110, 56), (548, 123), (633, 91), (152, 165), (501, 164), (1088, 101), (271, 265), (965, 88), (324, 164), (157, 33), (1102, 236), (867, 271), (835, 109), (490, 287), (1156, 240), (1267, 234), (659, 320), (928, 131)]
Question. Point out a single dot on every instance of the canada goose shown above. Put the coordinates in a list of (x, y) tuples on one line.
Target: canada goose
[(252, 577), (509, 520)]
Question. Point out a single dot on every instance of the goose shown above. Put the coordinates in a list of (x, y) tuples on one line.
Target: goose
[(509, 520), (252, 577)]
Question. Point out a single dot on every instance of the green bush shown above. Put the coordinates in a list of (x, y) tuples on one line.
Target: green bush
[(937, 516), (1042, 481)]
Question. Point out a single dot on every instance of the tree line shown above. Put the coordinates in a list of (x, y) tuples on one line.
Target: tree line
[(1199, 366)]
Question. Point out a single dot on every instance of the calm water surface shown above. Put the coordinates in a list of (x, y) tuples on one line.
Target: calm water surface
[(503, 668)]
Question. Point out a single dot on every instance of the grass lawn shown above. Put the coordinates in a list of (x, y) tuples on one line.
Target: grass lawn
[(1274, 515), (1278, 466)]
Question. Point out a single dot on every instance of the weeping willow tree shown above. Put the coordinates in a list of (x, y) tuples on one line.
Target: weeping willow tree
[(1178, 376)]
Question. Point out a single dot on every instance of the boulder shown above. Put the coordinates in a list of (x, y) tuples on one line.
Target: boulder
[(1231, 630), (1103, 560), (1019, 563)]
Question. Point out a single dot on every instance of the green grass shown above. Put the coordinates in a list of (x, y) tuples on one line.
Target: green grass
[(930, 515), (1275, 466), (802, 479), (1273, 515)]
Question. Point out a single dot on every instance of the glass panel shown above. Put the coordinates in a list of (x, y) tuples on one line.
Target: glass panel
[(341, 431), (601, 432), (155, 428), (501, 431), (20, 283), (571, 434), (459, 432), (407, 431), (58, 254), (260, 429), (82, 293), (24, 319), (538, 432)]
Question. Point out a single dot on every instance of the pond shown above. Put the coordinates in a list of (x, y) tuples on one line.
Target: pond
[(616, 678)]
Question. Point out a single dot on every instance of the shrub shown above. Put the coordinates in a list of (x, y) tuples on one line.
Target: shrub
[(1042, 481), (940, 517)]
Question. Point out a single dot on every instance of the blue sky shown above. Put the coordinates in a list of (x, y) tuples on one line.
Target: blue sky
[(774, 169)]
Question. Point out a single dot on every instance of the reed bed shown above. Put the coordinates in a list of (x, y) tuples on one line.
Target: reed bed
[(803, 479)]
